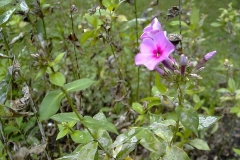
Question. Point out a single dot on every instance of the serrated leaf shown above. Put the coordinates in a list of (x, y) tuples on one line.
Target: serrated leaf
[(199, 144), (65, 117), (206, 121), (6, 16), (175, 153), (50, 104), (189, 119), (78, 85), (81, 137), (57, 78), (138, 108)]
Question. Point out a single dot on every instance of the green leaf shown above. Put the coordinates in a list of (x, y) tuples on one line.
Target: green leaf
[(110, 4), (175, 153), (150, 142), (88, 151), (231, 84), (216, 24), (78, 85), (30, 124), (99, 122), (161, 87), (105, 140), (126, 149), (162, 131), (50, 104), (57, 78), (4, 2), (199, 144), (194, 17), (198, 105), (93, 20), (6, 16), (176, 23), (59, 57), (65, 117), (236, 150), (189, 119), (150, 99), (86, 35), (224, 90), (194, 91), (206, 121), (41, 72), (138, 108), (62, 133), (10, 129), (126, 136), (81, 137)]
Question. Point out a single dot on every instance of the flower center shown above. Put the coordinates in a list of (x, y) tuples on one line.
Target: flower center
[(158, 54)]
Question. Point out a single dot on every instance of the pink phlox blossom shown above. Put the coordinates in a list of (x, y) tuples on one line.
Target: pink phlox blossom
[(154, 50), (151, 29)]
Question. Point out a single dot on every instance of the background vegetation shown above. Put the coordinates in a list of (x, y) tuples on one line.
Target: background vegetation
[(46, 45)]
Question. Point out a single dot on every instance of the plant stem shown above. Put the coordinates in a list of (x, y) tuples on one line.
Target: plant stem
[(81, 120), (138, 71), (5, 141)]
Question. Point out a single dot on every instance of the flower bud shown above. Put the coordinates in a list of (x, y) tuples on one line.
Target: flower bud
[(168, 64), (160, 71), (183, 63), (183, 60), (206, 58)]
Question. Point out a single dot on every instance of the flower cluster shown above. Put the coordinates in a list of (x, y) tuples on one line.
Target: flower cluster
[(156, 48)]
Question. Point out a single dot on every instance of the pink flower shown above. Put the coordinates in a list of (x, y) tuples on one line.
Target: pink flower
[(154, 50), (151, 29)]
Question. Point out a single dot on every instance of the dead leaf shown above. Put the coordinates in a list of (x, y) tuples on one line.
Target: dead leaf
[(23, 152), (173, 12)]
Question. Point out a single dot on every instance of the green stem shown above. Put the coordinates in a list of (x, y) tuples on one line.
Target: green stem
[(119, 70), (5, 141), (180, 100), (138, 71), (81, 120)]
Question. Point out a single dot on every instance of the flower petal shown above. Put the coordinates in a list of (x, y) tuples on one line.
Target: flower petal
[(156, 25), (163, 43), (147, 60), (147, 46)]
